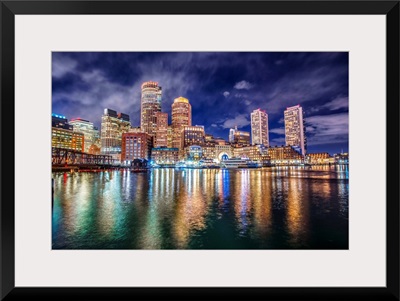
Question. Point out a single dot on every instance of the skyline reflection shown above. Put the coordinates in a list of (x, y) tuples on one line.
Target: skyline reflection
[(268, 208)]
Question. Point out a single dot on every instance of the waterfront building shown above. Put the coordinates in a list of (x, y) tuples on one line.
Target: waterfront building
[(318, 158), (259, 128), (165, 156), (209, 152), (285, 155), (239, 137), (223, 151), (113, 125), (136, 146), (194, 153), (161, 136), (60, 121), (181, 116), (295, 128), (87, 129), (150, 105), (253, 152), (68, 139)]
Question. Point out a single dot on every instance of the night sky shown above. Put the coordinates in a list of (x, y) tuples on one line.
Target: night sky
[(222, 87)]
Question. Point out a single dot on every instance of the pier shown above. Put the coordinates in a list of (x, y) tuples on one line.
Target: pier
[(71, 160)]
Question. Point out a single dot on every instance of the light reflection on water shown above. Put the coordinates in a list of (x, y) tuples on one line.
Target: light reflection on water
[(268, 208)]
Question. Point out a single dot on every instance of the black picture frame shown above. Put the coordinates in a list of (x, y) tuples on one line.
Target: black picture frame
[(11, 8)]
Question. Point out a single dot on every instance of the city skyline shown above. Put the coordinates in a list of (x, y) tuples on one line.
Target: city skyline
[(222, 97)]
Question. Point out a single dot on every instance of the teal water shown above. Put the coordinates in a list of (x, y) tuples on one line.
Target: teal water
[(268, 208)]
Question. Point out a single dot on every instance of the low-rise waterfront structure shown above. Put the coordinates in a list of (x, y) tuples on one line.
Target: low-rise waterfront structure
[(318, 158), (285, 155), (165, 156), (136, 146)]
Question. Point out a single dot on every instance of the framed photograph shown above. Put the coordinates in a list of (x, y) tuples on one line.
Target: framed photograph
[(200, 150)]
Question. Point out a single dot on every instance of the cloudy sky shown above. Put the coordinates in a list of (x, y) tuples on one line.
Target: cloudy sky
[(222, 87)]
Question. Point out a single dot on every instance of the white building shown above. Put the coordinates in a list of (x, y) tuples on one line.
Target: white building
[(295, 128), (259, 128)]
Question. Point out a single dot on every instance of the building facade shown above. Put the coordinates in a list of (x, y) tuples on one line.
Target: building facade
[(318, 158), (223, 151), (192, 135), (194, 153), (259, 128), (169, 136), (150, 105), (181, 116), (295, 128), (87, 129), (285, 155), (257, 153), (113, 125), (136, 146), (161, 136), (67, 139), (165, 156), (209, 152)]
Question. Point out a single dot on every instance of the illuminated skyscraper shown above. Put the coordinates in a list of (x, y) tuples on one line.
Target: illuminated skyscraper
[(181, 116), (87, 129), (259, 128), (161, 136), (113, 125), (295, 129), (150, 104)]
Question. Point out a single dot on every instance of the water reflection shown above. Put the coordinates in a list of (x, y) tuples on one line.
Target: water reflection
[(283, 207)]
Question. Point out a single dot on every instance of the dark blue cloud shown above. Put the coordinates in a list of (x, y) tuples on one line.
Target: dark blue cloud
[(223, 88)]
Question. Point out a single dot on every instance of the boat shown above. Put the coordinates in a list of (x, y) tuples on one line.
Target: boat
[(180, 164), (208, 163), (238, 163), (139, 169)]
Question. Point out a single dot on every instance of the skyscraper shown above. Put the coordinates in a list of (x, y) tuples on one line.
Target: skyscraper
[(150, 104), (295, 129), (161, 135), (181, 116), (259, 128), (113, 125)]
